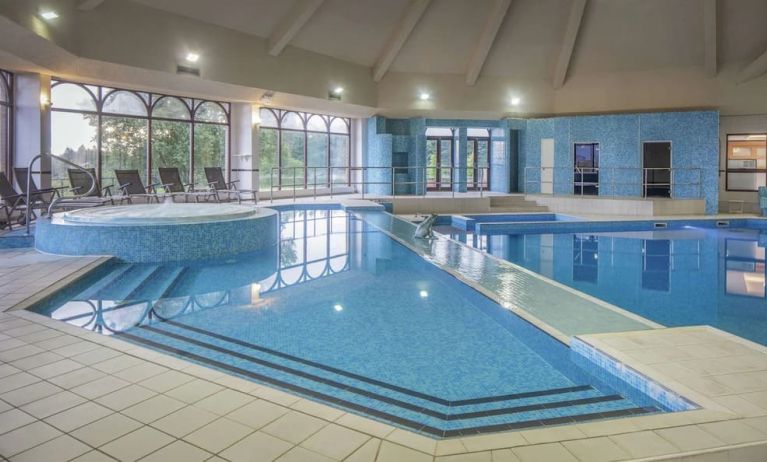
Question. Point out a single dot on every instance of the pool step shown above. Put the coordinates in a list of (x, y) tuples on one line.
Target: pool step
[(92, 291), (126, 283), (391, 402)]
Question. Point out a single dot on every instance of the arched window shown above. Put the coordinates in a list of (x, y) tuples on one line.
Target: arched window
[(292, 120), (478, 133), (72, 96), (124, 102), (268, 118), (170, 107), (339, 125), (209, 111), (316, 123)]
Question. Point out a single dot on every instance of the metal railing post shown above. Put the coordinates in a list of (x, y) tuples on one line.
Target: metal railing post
[(294, 184), (392, 183), (364, 176)]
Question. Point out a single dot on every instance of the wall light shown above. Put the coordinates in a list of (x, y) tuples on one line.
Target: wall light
[(515, 101), (45, 101), (49, 15), (338, 90), (192, 57), (424, 96), (255, 115)]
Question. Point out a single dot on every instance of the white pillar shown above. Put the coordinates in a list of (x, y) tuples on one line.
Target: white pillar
[(32, 125), (244, 148)]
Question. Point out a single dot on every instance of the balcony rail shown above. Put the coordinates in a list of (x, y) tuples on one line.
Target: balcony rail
[(615, 181), (425, 178)]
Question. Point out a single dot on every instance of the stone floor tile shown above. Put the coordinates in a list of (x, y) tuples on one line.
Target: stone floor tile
[(689, 438), (733, 432), (105, 430), (275, 396), (94, 456), (100, 387), (485, 456), (166, 381), (154, 408), (390, 452), (504, 455), (53, 404), (78, 416), (258, 413), (258, 446), (7, 369), (299, 454), (15, 381), (137, 444), (366, 453), (316, 409), (77, 377), (125, 397), (194, 391), (40, 359), (595, 450), (140, 372), (35, 391), (413, 440), (117, 363), (178, 451), (184, 421), (335, 441), (13, 419), (61, 449), (56, 368), (294, 427), (218, 435), (27, 437), (643, 444), (224, 401), (493, 441), (540, 452)]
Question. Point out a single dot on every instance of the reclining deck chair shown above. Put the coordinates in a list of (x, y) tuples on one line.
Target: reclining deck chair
[(228, 191)]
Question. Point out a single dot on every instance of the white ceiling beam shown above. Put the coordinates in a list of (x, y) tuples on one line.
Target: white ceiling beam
[(754, 70), (486, 40), (291, 24), (88, 5), (710, 37), (568, 44), (399, 36)]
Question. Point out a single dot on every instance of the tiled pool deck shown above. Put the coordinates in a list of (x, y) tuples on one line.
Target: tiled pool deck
[(69, 394)]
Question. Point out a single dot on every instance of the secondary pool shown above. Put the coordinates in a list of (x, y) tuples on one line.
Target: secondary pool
[(691, 273), (343, 314)]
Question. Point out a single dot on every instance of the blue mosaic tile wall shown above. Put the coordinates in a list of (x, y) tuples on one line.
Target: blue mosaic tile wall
[(694, 138)]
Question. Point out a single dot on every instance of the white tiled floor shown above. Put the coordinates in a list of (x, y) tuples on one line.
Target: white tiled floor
[(67, 394)]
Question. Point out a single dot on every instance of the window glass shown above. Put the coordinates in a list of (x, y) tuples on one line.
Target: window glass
[(339, 157), (316, 123), (746, 161), (317, 156), (293, 121), (124, 143), (73, 137), (171, 108), (338, 125), (268, 118), (71, 96), (268, 158), (124, 102), (436, 131), (170, 148), (292, 146), (210, 112), (209, 149)]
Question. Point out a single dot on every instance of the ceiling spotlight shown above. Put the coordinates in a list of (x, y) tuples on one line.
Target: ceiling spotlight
[(338, 307), (49, 15), (424, 96), (192, 57), (338, 90), (423, 294), (515, 101)]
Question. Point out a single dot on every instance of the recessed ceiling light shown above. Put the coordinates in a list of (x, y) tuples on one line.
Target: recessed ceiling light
[(515, 101), (425, 96), (192, 57), (338, 307), (49, 15), (338, 90), (423, 294)]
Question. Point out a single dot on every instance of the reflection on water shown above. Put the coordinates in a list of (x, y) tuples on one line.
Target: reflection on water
[(314, 244), (679, 277)]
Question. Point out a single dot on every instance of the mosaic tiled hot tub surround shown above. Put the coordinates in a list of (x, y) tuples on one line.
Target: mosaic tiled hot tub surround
[(352, 318), (160, 232)]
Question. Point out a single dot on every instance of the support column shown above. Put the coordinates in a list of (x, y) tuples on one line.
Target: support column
[(32, 125), (460, 160), (244, 147)]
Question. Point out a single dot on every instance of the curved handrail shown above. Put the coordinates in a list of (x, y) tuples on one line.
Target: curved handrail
[(56, 199)]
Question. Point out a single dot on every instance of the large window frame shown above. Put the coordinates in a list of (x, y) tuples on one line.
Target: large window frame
[(6, 106), (328, 121), (473, 152), (150, 100), (758, 139)]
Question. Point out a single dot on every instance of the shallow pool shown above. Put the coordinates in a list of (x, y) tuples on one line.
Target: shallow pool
[(690, 275), (343, 314)]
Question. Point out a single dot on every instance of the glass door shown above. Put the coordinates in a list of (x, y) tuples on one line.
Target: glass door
[(477, 163), (586, 169), (439, 163)]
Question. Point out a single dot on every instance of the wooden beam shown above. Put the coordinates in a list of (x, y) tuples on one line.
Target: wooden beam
[(568, 44), (710, 37), (399, 36), (486, 40), (88, 5), (291, 24)]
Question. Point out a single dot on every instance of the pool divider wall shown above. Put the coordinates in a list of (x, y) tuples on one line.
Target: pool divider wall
[(619, 375)]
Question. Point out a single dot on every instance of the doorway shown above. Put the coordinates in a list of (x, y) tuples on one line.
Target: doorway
[(586, 169), (477, 162), (656, 171)]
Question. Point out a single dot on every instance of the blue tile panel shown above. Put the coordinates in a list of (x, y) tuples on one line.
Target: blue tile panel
[(159, 243), (611, 370)]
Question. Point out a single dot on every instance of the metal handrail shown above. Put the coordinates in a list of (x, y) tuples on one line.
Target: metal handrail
[(643, 183), (55, 200), (420, 175)]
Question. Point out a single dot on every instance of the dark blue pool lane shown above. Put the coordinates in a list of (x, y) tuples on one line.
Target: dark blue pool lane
[(343, 314)]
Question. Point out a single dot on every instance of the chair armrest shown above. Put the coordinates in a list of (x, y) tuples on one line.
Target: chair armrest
[(233, 184), (106, 191), (124, 187), (166, 186)]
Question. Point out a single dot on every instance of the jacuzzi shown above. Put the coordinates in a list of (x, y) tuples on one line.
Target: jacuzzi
[(159, 232)]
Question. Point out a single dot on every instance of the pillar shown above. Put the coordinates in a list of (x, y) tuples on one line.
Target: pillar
[(32, 124)]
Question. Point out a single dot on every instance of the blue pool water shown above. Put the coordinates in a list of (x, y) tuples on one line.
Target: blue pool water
[(343, 314), (691, 275)]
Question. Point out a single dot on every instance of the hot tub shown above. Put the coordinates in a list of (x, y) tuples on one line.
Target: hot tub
[(159, 232)]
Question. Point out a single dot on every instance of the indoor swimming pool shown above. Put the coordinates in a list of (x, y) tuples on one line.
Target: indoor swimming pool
[(692, 273), (342, 313)]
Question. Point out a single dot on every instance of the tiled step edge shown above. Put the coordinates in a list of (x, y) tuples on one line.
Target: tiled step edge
[(616, 373)]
